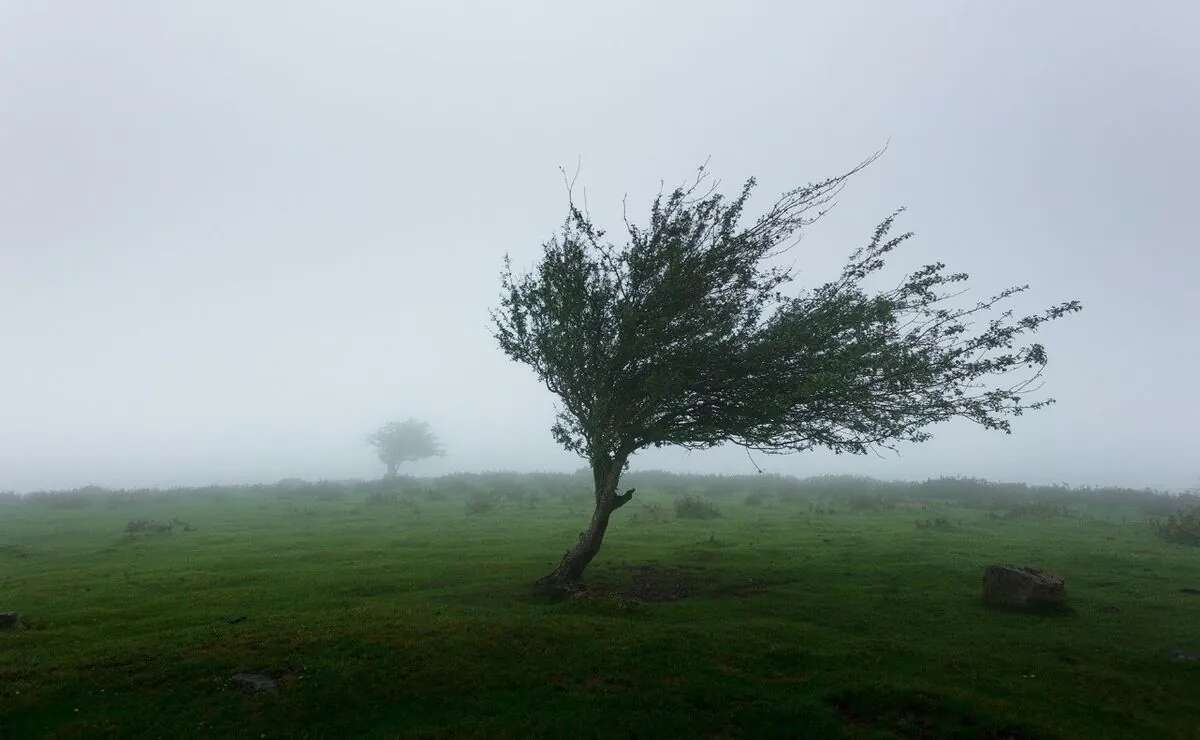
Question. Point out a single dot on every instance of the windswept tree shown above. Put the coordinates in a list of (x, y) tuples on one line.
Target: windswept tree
[(684, 333), (403, 441)]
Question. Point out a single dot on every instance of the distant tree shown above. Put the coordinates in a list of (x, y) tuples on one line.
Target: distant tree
[(403, 441), (683, 335)]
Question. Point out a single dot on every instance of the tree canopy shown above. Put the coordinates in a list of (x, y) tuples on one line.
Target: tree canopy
[(399, 442), (686, 333)]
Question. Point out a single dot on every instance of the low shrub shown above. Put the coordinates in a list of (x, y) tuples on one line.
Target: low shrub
[(511, 495), (479, 503), (868, 502), (1039, 510), (691, 507), (382, 497), (392, 498), (940, 523), (64, 500), (654, 514), (147, 526), (756, 499), (1182, 527)]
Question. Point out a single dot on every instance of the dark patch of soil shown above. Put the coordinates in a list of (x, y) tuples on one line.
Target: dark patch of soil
[(1039, 610), (752, 587), (650, 583), (915, 714), (647, 583), (606, 684), (255, 682), (121, 663), (654, 583)]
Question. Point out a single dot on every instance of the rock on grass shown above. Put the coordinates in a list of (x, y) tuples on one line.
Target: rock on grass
[(1023, 588), (255, 682)]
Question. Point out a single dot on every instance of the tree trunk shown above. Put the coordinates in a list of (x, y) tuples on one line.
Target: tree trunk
[(566, 577)]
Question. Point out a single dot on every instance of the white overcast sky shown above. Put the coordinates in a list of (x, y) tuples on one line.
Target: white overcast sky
[(236, 236)]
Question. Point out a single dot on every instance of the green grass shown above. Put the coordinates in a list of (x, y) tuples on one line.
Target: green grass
[(382, 620)]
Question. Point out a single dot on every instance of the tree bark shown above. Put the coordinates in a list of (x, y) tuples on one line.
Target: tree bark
[(567, 576)]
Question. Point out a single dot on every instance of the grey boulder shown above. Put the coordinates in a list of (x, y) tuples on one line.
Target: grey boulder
[(1022, 588)]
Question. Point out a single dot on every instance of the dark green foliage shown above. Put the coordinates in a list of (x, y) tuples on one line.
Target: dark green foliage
[(1037, 510), (683, 335), (692, 507), (399, 499), (323, 490), (868, 502), (654, 513), (14, 551), (755, 499), (77, 499), (149, 526), (940, 523), (480, 503), (574, 487), (905, 713), (684, 332), (1182, 527), (381, 624)]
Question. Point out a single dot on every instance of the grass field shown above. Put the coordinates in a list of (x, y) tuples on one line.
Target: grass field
[(408, 616)]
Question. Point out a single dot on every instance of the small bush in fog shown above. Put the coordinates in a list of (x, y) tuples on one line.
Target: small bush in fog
[(479, 503), (756, 499), (392, 498), (1039, 510), (1182, 527), (653, 513), (868, 502), (512, 495), (325, 490), (382, 497), (691, 507), (567, 498), (142, 526), (940, 523), (78, 499)]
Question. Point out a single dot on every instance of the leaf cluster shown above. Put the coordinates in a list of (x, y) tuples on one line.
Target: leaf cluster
[(685, 334)]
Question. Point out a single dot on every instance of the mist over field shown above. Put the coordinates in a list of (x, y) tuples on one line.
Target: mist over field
[(235, 239)]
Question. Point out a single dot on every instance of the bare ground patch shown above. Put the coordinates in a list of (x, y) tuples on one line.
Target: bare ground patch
[(642, 583), (752, 587), (916, 714)]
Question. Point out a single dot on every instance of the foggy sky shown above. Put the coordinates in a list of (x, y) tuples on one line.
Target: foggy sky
[(235, 237)]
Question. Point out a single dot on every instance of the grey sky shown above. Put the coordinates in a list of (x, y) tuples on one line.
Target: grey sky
[(235, 236)]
